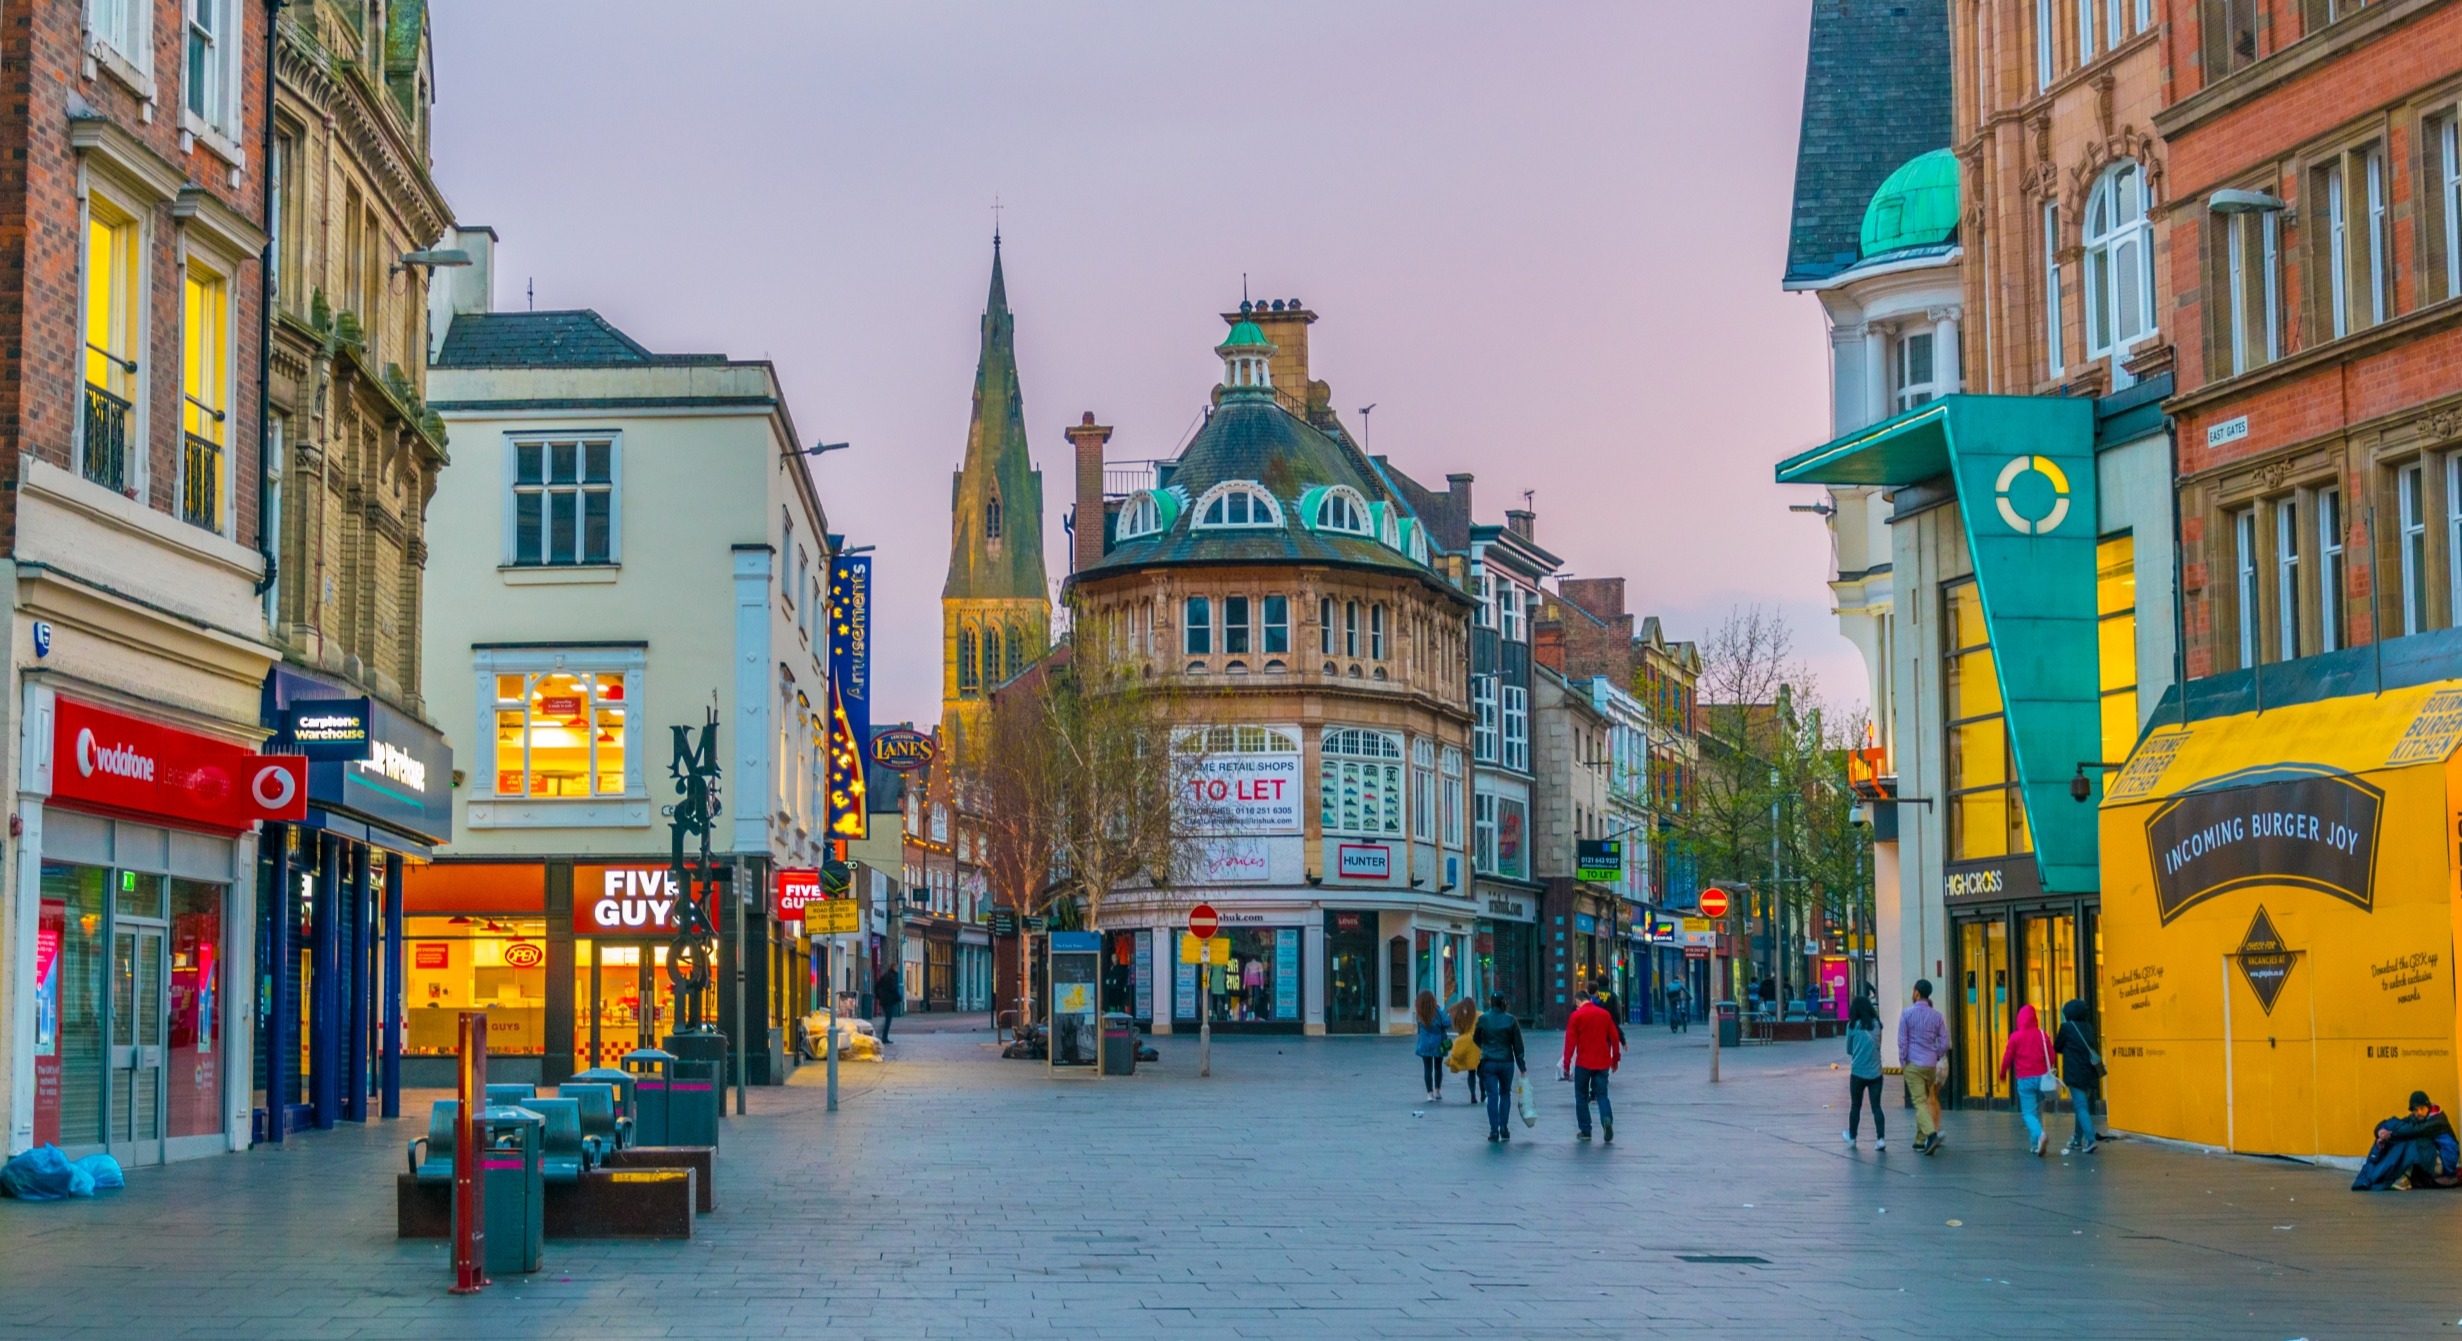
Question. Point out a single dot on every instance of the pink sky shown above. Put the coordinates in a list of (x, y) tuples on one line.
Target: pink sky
[(1544, 241)]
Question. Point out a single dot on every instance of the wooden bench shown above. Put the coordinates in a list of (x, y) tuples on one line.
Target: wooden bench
[(701, 1159), (644, 1203)]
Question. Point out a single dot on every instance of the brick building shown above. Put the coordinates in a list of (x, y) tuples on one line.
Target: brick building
[(132, 230)]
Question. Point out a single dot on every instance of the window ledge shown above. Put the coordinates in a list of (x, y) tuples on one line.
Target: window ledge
[(206, 133), (120, 512), (559, 575), (604, 812), (104, 57), (2408, 326)]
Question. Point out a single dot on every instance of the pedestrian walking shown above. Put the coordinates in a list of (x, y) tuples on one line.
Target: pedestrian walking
[(1431, 1046), (1863, 1045), (2026, 1063), (1593, 1046), (1465, 1016), (1923, 1046), (1602, 992), (2082, 1067), (1679, 1011), (1499, 1037), (889, 994)]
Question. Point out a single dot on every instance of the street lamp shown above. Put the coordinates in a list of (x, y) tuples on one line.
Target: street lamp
[(819, 448), (433, 258)]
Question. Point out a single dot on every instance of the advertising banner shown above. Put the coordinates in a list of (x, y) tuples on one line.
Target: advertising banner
[(850, 675), (1246, 793), (327, 728), (117, 762), (1233, 861), (791, 889)]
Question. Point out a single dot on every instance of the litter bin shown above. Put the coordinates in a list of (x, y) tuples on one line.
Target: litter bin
[(696, 1086), (512, 1190), (623, 1082), (1119, 1043), (651, 1069), (1730, 1028)]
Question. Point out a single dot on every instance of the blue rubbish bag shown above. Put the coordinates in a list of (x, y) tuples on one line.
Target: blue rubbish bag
[(104, 1170), (41, 1174)]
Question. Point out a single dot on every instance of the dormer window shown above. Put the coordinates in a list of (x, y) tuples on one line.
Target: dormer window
[(1237, 503), (1340, 508), (1147, 512)]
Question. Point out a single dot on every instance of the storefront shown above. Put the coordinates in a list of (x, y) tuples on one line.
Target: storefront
[(136, 840), (379, 800), (1505, 950), (1253, 980), (2279, 910), (2011, 944)]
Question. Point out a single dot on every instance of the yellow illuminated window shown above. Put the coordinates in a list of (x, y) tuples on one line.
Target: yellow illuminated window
[(1987, 813), (205, 372), (560, 733), (109, 296), (2115, 609), (474, 962)]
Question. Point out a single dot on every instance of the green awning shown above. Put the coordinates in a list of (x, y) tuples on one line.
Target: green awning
[(2023, 467)]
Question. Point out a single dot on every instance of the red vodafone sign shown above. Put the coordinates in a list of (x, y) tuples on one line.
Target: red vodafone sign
[(116, 762), (1713, 902), (1203, 921)]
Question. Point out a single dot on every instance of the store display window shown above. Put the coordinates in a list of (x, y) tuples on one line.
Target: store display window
[(475, 962), (1256, 983)]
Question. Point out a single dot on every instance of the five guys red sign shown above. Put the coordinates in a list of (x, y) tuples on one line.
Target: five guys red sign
[(115, 762)]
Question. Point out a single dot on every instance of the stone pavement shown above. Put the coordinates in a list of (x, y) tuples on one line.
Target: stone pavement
[(1302, 1191)]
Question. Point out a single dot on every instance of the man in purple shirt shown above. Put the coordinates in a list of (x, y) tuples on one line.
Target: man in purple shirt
[(1923, 1050)]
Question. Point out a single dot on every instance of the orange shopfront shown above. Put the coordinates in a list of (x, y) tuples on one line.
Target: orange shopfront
[(568, 958)]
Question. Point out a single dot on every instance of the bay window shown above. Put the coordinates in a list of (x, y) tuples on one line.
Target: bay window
[(1359, 783)]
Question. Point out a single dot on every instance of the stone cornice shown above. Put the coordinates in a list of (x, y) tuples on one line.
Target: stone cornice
[(375, 135), (2286, 64)]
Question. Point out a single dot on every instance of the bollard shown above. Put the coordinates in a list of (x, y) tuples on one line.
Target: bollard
[(469, 1232)]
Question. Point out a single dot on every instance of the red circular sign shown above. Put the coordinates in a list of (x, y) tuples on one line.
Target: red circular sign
[(522, 954), (1203, 921), (1713, 902)]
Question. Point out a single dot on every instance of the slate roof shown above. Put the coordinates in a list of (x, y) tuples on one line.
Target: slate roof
[(581, 339), (1254, 438), (1876, 93)]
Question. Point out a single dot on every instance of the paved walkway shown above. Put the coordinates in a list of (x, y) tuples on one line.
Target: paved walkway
[(1302, 1191)]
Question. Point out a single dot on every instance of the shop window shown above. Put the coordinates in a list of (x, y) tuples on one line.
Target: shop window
[(2115, 609), (566, 504), (1256, 982), (1987, 811), (2119, 263), (561, 734), (205, 328), (2250, 317), (1360, 783), (1453, 795), (111, 287), (474, 962)]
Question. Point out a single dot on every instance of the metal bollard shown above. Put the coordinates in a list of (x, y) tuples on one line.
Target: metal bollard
[(469, 1232)]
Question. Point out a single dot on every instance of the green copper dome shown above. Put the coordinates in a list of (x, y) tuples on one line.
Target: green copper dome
[(1916, 207), (1246, 335)]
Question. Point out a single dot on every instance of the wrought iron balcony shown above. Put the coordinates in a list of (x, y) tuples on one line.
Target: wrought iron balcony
[(106, 439), (201, 483)]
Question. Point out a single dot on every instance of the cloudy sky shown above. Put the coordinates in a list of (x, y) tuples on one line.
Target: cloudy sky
[(1544, 241)]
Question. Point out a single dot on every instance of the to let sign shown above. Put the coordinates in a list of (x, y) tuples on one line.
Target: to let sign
[(1246, 794)]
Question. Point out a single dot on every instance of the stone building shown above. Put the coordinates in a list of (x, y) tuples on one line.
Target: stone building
[(995, 607), (1288, 593)]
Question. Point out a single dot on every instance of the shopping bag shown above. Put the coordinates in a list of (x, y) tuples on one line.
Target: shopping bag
[(1528, 1102)]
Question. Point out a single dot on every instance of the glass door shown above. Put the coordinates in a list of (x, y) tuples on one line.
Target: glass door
[(1350, 973), (1982, 1004), (140, 974), (2050, 940)]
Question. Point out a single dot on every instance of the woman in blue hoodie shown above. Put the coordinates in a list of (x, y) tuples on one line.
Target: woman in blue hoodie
[(1863, 1045)]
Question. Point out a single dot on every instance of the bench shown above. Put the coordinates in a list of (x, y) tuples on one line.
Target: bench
[(509, 1094), (599, 1119), (437, 1145), (564, 1152), (599, 1204), (701, 1159)]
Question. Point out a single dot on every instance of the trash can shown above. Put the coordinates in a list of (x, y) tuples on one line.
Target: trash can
[(696, 1084), (1730, 1027), (621, 1080), (1119, 1043), (651, 1070), (512, 1190)]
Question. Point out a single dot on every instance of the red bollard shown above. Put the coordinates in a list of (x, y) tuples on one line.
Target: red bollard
[(469, 1234)]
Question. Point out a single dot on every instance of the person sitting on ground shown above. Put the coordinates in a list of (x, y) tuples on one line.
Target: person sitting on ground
[(2413, 1150)]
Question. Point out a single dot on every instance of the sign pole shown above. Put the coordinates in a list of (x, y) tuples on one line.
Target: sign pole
[(830, 1048), (1205, 1007)]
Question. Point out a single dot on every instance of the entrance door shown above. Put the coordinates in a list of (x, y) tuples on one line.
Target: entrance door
[(140, 1008), (1350, 973), (1983, 1005), (2273, 1062), (2050, 941)]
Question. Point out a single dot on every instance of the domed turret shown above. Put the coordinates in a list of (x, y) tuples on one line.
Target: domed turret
[(1246, 359), (1916, 207)]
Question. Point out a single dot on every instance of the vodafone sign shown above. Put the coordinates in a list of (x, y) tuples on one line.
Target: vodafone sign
[(127, 764)]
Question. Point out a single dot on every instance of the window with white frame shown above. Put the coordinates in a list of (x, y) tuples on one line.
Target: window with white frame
[(2379, 240), (2412, 518), (2119, 263), (565, 507), (1359, 779), (112, 288), (1501, 827), (2055, 357), (123, 26), (1482, 594), (1517, 728), (2287, 577), (1510, 603), (209, 70), (1142, 517), (2046, 63), (1277, 626), (1376, 632), (1452, 767), (2085, 31), (1238, 638), (1325, 625), (2354, 248), (2445, 198), (1483, 832), (1916, 384), (2330, 572), (1350, 628), (2252, 271), (2230, 36), (1423, 789), (562, 730), (1483, 726), (2244, 544), (2337, 253), (205, 393), (1233, 504), (2453, 540), (1342, 509)]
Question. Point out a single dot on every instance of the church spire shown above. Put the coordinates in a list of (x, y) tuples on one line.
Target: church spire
[(996, 603)]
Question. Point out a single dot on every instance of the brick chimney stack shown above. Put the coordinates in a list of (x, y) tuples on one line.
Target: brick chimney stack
[(1086, 521), (1524, 523)]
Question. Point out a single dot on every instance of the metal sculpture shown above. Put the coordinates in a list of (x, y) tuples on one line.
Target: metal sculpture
[(696, 877)]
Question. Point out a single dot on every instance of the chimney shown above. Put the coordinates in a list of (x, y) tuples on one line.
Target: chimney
[(1523, 522), (1086, 521), (1285, 321), (461, 289), (1601, 596)]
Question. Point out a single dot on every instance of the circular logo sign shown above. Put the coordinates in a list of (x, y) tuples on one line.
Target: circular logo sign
[(1713, 902), (1203, 921), (2033, 495), (273, 788), (522, 954), (85, 752)]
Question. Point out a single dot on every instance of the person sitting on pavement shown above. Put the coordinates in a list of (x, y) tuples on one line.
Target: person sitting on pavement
[(2413, 1150), (1593, 1046), (1499, 1037), (1431, 1046)]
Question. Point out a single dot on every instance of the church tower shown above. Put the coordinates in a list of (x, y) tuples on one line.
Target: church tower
[(995, 609)]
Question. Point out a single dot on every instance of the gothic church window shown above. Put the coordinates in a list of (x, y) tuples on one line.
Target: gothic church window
[(966, 681), (991, 519)]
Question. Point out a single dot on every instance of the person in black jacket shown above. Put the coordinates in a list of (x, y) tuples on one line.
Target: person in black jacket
[(889, 993), (1499, 1037), (2412, 1150), (2081, 1069)]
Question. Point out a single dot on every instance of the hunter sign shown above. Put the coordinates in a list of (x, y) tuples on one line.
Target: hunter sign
[(2316, 832)]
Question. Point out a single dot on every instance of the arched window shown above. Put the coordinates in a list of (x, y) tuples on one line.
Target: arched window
[(1236, 503), (1017, 652), (2119, 262), (1146, 512), (991, 658), (991, 518), (1342, 509), (966, 681)]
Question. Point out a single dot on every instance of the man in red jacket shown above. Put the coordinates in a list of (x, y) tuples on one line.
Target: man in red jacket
[(1591, 1051)]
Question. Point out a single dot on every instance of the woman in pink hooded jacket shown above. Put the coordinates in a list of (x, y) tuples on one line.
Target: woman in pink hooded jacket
[(2027, 1064)]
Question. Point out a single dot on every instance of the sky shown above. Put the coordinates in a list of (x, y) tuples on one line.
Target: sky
[(1543, 241)]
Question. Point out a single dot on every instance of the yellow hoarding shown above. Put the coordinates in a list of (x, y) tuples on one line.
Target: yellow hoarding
[(2279, 921)]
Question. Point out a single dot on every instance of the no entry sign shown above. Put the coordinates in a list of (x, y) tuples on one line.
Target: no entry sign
[(1713, 902), (1203, 921)]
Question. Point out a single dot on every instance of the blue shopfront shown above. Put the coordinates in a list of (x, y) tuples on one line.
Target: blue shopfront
[(329, 933)]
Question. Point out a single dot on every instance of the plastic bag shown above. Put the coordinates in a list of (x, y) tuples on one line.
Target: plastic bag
[(40, 1174), (1528, 1102), (104, 1170)]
